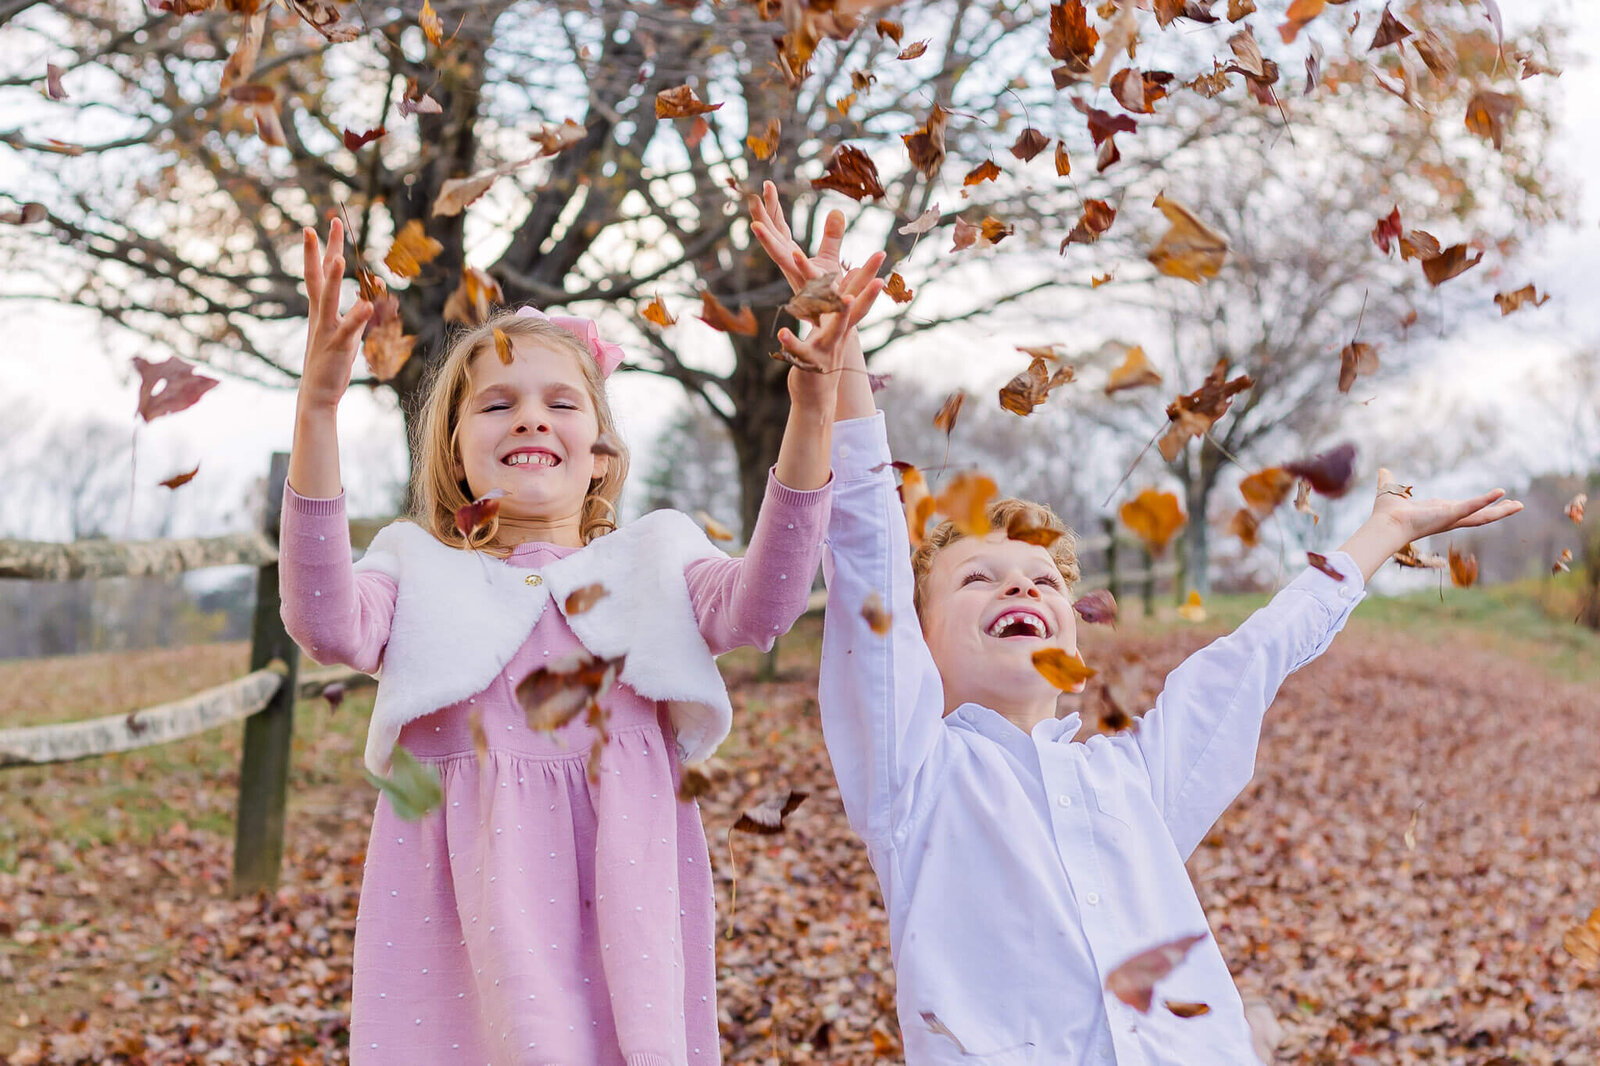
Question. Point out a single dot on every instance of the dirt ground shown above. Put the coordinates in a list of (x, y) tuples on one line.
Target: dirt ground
[(1423, 826)]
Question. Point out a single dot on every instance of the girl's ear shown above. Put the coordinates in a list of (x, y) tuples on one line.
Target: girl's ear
[(602, 466)]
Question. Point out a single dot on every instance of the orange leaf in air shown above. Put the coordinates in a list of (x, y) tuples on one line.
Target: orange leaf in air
[(851, 172), (896, 289), (179, 480), (878, 618), (1463, 568), (1575, 507), (680, 101), (949, 411), (472, 517), (714, 529), (655, 313), (1155, 517), (1512, 301), (1189, 249), (717, 316), (965, 501), (988, 170), (1134, 372), (1065, 671)]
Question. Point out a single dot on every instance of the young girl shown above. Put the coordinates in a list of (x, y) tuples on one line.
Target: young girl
[(537, 917)]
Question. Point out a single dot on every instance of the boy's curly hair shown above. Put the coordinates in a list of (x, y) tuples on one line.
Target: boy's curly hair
[(1005, 513)]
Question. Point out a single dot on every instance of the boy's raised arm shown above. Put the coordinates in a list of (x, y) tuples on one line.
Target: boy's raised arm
[(881, 699), (1199, 743)]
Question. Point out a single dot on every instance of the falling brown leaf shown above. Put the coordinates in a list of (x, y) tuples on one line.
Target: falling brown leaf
[(1582, 941), (1072, 40), (1194, 413), (1320, 561), (472, 517), (965, 501), (844, 103), (502, 347), (1387, 230), (1419, 244), (1302, 502), (655, 312), (1449, 263), (993, 230), (1096, 219), (948, 412), (355, 141), (553, 140), (877, 616), (926, 144), (455, 194), (861, 80), (1189, 249), (851, 172), (1155, 517), (1390, 31), (895, 289), (1032, 387), (179, 480), (916, 500), (1245, 525), (415, 102), (913, 50), (565, 687), (965, 235), (1563, 562), (1265, 489), (387, 349), (580, 600), (1512, 301), (1356, 359), (241, 63), (1463, 568), (819, 296), (891, 30), (1436, 53), (1487, 115), (714, 529), (1187, 1010), (428, 19), (1133, 372), (1101, 279), (767, 818), (169, 386), (1238, 9), (1330, 472), (473, 299), (25, 215), (1063, 162), (1193, 610), (921, 224), (680, 101), (763, 146), (717, 316), (1062, 669), (1575, 507), (1097, 608), (988, 170), (1017, 528), (412, 249), (1411, 558), (1029, 143), (606, 444), (52, 82)]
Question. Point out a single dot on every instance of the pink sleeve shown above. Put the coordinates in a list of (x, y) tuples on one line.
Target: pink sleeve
[(335, 614), (754, 598)]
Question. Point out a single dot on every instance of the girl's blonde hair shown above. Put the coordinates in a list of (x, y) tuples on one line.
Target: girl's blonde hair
[(437, 493)]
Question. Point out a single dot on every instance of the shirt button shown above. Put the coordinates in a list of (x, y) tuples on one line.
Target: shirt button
[(1092, 899), (534, 579), (1065, 801)]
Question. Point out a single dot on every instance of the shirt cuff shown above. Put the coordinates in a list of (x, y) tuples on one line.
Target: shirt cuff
[(1340, 594), (860, 447), (311, 507)]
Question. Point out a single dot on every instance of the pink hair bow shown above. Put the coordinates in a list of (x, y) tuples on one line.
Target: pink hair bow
[(607, 356)]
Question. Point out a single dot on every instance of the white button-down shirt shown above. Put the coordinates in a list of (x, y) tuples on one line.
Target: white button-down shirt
[(1019, 870)]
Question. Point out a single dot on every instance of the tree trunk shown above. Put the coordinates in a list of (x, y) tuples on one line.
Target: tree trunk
[(761, 400), (1589, 605), (1199, 478)]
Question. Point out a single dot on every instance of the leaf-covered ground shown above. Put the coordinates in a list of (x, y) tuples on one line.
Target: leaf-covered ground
[(118, 942)]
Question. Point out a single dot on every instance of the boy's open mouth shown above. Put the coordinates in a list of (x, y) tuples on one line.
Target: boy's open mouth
[(532, 457), (1019, 622)]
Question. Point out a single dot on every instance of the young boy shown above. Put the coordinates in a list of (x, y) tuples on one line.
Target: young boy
[(1018, 868)]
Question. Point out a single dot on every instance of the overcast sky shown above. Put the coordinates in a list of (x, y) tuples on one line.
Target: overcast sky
[(64, 364)]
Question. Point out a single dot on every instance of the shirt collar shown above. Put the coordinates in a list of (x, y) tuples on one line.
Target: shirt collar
[(989, 723)]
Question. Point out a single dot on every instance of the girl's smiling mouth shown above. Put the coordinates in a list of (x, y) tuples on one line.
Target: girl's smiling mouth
[(531, 457)]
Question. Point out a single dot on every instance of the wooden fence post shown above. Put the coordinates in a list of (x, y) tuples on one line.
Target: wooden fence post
[(1113, 581), (1148, 590), (264, 766)]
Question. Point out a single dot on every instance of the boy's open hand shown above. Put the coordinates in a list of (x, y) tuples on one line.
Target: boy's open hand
[(822, 354), (1397, 520), (1413, 519), (771, 229), (332, 339)]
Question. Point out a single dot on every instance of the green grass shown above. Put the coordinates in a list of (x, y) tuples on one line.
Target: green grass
[(1530, 620)]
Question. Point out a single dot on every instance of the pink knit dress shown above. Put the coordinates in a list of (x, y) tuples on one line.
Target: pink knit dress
[(537, 918)]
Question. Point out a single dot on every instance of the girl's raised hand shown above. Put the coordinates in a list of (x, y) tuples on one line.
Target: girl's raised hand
[(332, 339), (1415, 519), (821, 356)]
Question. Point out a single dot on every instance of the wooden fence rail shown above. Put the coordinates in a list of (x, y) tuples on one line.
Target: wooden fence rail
[(45, 561)]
